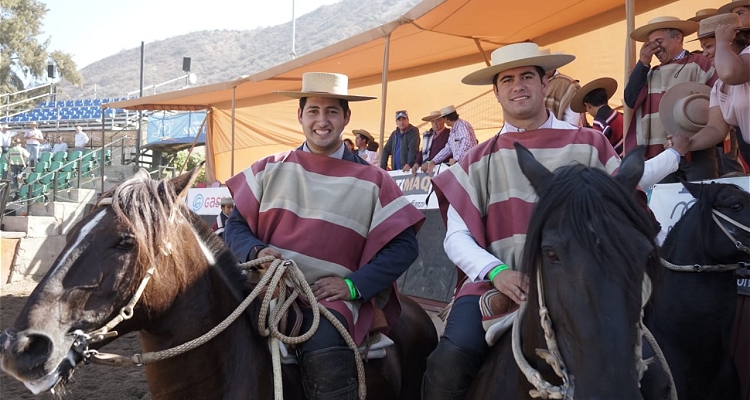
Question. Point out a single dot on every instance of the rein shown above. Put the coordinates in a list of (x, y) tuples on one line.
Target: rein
[(553, 357), (280, 275), (716, 267)]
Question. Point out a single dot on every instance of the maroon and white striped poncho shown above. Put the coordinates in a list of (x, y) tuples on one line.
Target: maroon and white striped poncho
[(497, 210), (330, 216)]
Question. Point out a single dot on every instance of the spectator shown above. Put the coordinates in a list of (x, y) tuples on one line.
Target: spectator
[(560, 91), (703, 14), (739, 7), (433, 141), (349, 144), (33, 137), (17, 159), (60, 145), (592, 98), (362, 139), (663, 38), (227, 205), (351, 241), (460, 140), (81, 139), (5, 138), (403, 145)]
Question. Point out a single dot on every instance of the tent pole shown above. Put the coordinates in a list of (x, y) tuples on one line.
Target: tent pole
[(231, 168), (629, 57), (384, 91), (481, 51)]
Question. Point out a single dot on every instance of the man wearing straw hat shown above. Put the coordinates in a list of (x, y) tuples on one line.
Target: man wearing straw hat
[(227, 205), (739, 7), (362, 139), (592, 98), (487, 189), (433, 141), (663, 38), (346, 224), (461, 139)]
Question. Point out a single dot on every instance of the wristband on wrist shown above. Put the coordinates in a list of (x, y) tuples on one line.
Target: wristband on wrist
[(498, 269), (254, 252), (352, 289)]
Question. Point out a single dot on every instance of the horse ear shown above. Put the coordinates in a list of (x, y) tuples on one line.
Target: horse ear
[(695, 189), (142, 174), (631, 168), (536, 173), (185, 181)]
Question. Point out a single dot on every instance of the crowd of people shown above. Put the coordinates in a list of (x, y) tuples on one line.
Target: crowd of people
[(338, 191)]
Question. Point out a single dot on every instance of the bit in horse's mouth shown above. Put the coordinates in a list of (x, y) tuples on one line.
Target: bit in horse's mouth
[(60, 375)]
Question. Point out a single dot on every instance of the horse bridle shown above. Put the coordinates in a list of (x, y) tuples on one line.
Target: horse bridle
[(553, 357), (716, 267)]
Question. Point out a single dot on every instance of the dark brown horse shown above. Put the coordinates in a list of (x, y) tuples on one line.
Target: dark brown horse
[(590, 244), (196, 283), (693, 309)]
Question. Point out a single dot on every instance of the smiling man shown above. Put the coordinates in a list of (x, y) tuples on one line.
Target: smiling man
[(346, 224), (663, 37)]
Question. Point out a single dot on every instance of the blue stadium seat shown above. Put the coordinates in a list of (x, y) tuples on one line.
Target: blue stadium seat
[(97, 102), (43, 104), (78, 103), (60, 103), (68, 103)]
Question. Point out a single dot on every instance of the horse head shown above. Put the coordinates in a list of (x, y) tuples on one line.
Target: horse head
[(131, 233), (588, 246)]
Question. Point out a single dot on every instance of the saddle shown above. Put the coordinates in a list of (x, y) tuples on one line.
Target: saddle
[(498, 314)]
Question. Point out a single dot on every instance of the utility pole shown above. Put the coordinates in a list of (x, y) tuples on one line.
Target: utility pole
[(294, 27)]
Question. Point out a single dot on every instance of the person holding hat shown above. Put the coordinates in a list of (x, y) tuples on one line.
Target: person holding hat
[(593, 99), (433, 141), (663, 38), (362, 140), (33, 137), (346, 224), (402, 146), (461, 139), (227, 205), (484, 202)]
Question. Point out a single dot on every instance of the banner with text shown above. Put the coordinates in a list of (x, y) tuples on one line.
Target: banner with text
[(163, 125), (206, 201)]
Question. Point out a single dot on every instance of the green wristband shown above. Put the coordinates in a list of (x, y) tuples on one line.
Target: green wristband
[(352, 289), (500, 268)]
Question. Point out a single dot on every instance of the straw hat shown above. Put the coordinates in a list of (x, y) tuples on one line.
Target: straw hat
[(727, 8), (32, 123), (514, 56), (447, 110), (703, 14), (608, 84), (433, 115), (364, 133), (684, 108), (325, 84), (686, 27), (708, 25), (227, 201)]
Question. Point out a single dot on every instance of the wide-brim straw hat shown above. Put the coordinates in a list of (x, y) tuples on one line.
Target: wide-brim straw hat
[(708, 25), (686, 27), (515, 56), (325, 84), (447, 110), (608, 84), (433, 115), (684, 108), (727, 8), (703, 14), (364, 133)]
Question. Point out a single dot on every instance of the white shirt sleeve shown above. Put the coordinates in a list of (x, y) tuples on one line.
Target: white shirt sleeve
[(463, 250), (659, 167), (572, 117)]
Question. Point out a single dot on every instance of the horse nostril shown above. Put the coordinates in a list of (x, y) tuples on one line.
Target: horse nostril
[(32, 344)]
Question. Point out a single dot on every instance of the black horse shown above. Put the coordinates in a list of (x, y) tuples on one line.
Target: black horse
[(693, 308)]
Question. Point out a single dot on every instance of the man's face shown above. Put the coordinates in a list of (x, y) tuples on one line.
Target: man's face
[(744, 13), (402, 123), (322, 121), (227, 209), (520, 92), (668, 48), (359, 142), (438, 124), (709, 48)]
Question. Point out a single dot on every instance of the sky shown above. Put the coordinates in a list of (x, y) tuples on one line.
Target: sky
[(90, 30)]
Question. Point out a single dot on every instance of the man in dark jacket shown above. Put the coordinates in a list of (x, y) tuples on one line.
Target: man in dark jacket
[(402, 146)]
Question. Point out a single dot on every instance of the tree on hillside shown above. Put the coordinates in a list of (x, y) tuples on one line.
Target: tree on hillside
[(182, 162), (22, 56)]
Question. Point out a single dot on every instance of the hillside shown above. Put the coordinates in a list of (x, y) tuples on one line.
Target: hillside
[(221, 55)]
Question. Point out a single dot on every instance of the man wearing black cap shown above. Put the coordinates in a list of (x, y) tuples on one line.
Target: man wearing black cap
[(402, 146)]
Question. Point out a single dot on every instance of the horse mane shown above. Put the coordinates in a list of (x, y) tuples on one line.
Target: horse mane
[(152, 211), (598, 208)]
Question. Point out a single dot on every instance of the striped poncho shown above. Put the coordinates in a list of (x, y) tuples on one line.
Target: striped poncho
[(331, 216), (495, 199)]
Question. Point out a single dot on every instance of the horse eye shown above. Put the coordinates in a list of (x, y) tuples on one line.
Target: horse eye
[(126, 242), (551, 256), (736, 207)]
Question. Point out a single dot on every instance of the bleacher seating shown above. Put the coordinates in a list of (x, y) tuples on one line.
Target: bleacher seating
[(68, 110)]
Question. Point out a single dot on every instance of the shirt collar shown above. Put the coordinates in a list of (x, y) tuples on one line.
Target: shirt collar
[(546, 125), (336, 154)]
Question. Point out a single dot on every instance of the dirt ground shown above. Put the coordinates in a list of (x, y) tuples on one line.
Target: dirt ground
[(90, 382)]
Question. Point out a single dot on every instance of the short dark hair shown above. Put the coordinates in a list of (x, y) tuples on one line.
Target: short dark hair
[(452, 116), (539, 70), (365, 138), (343, 103), (372, 146), (596, 97)]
